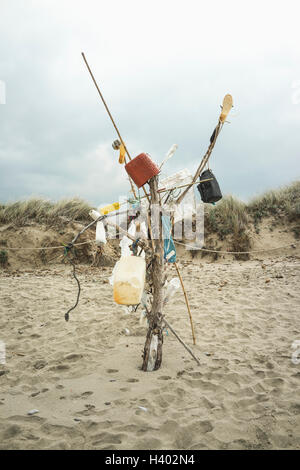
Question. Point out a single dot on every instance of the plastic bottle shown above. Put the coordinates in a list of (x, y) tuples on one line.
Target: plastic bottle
[(94, 214), (129, 279)]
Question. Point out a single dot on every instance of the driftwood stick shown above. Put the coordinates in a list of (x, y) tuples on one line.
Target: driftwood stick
[(152, 357), (111, 118), (187, 302), (180, 340), (203, 161), (150, 232), (86, 228), (113, 122)]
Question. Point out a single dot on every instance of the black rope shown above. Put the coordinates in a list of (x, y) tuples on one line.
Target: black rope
[(67, 249)]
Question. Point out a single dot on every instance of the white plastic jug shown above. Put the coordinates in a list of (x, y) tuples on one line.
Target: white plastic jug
[(129, 279)]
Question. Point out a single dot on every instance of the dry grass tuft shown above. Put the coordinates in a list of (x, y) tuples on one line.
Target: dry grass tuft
[(229, 220), (39, 210), (284, 202)]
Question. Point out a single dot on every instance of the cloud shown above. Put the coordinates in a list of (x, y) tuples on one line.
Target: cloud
[(163, 68)]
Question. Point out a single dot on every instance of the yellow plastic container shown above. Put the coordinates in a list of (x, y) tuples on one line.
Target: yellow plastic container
[(110, 208), (129, 280)]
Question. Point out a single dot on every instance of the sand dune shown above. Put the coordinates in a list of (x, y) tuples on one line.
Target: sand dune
[(84, 376)]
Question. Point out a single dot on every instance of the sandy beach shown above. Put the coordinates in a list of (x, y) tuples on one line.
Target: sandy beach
[(84, 376)]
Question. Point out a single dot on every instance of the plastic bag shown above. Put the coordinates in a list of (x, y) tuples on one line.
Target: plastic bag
[(171, 288), (100, 230), (126, 242), (188, 206), (169, 247), (100, 233)]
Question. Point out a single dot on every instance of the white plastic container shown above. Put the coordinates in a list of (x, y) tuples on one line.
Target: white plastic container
[(129, 280)]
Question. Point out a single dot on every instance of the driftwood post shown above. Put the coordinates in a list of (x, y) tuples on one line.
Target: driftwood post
[(152, 357)]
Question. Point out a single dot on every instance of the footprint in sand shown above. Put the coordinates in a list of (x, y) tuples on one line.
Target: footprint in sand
[(86, 394), (132, 380), (74, 357), (111, 371)]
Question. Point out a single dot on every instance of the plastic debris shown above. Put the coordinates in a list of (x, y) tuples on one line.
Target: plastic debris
[(122, 154), (141, 169), (188, 207), (153, 353), (94, 214), (171, 288), (126, 242), (143, 408), (169, 154), (109, 208), (209, 190), (129, 279), (143, 318), (116, 144), (100, 233), (169, 247), (100, 230), (32, 412)]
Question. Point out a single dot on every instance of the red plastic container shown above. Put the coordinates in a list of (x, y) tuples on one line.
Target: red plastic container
[(141, 169)]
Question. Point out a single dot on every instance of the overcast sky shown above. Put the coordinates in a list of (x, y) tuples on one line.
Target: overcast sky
[(164, 68)]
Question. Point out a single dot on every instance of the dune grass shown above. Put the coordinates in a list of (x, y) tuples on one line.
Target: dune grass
[(230, 219), (284, 202), (43, 211)]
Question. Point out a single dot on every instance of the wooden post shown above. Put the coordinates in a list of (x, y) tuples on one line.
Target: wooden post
[(152, 357)]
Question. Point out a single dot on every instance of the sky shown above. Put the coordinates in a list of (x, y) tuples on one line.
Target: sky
[(163, 68)]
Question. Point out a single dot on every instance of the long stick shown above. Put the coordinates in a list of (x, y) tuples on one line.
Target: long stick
[(203, 161), (114, 124), (111, 118), (187, 302), (106, 107), (180, 340)]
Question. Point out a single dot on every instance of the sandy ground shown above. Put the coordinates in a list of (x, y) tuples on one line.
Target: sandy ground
[(84, 376)]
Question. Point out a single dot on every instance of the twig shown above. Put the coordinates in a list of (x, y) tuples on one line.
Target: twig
[(187, 302), (114, 124), (111, 118), (78, 292), (181, 341), (203, 161), (86, 228)]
